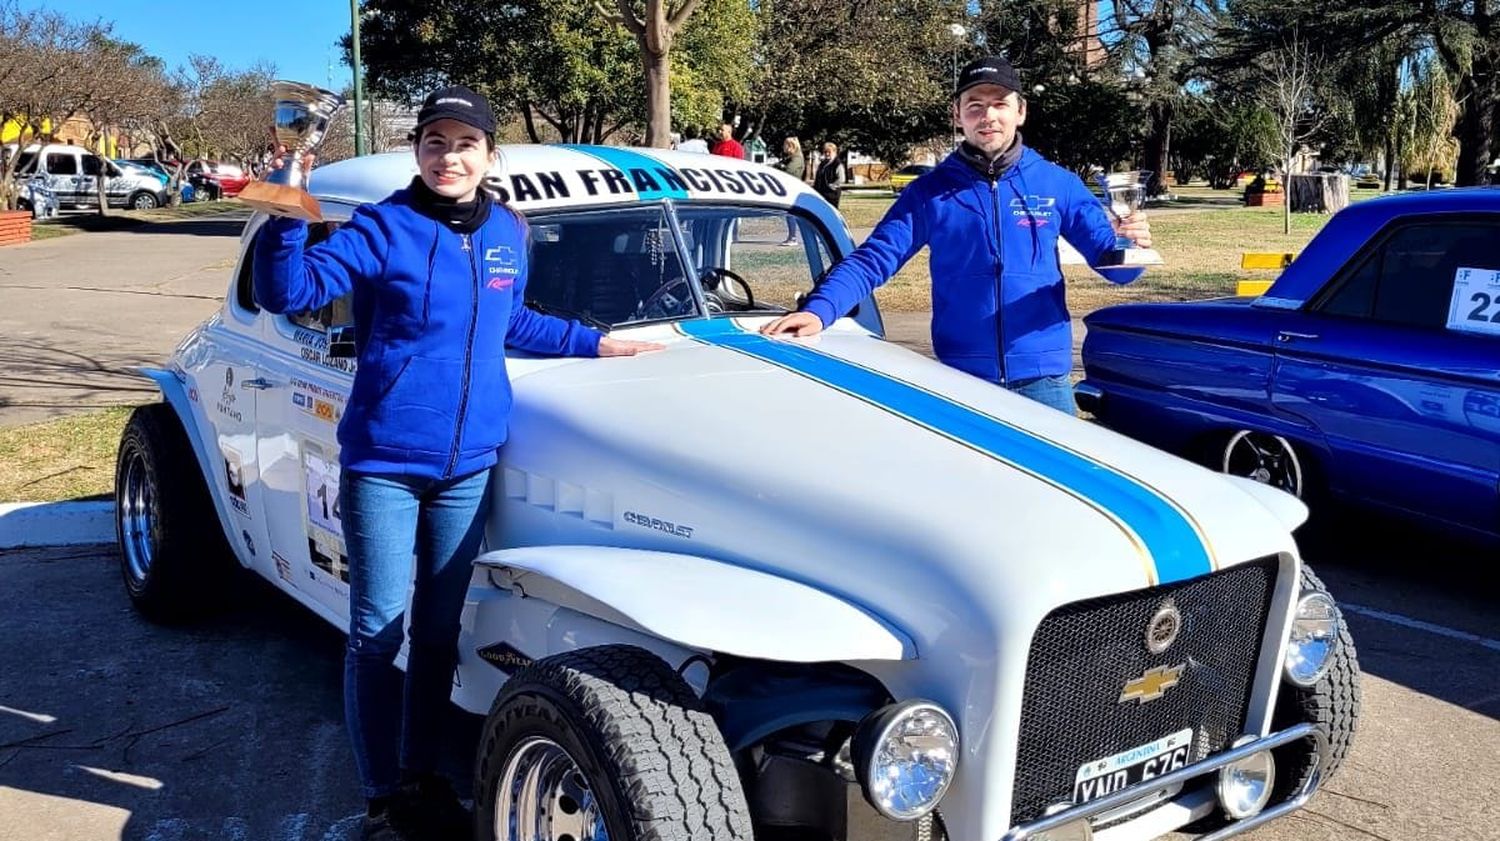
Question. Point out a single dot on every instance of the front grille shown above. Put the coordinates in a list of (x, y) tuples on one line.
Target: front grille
[(1084, 654)]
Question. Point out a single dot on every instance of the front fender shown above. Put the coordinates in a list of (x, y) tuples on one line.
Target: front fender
[(699, 603), (174, 392)]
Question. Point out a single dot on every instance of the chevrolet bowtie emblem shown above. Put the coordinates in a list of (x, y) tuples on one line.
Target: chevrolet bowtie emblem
[(1153, 684)]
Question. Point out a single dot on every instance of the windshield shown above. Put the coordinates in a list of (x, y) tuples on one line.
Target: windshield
[(618, 267)]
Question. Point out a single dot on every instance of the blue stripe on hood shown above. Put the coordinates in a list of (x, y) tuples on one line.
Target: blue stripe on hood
[(1172, 541), (626, 160)]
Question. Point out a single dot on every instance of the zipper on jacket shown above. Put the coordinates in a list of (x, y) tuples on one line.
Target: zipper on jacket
[(463, 395), (999, 282)]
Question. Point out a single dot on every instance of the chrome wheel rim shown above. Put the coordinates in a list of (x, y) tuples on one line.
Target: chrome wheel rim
[(136, 510), (144, 203), (1267, 459), (543, 796)]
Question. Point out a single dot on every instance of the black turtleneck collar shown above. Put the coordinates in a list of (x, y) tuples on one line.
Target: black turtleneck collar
[(463, 217), (991, 168)]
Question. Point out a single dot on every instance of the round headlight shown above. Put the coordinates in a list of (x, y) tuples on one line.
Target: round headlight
[(1245, 786), (1315, 632), (905, 755)]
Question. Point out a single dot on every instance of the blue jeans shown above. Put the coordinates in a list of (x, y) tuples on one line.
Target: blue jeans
[(386, 519), (1056, 392)]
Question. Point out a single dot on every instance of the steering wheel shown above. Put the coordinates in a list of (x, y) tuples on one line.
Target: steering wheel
[(711, 281), (663, 304)]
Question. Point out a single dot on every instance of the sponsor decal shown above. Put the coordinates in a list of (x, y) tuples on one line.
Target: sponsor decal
[(504, 657), (325, 404), (249, 544), (234, 480), (283, 566), (324, 519), (664, 526), (226, 404), (631, 173), (1033, 211), (1171, 545)]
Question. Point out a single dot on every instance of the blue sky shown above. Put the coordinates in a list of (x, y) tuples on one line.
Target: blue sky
[(299, 37)]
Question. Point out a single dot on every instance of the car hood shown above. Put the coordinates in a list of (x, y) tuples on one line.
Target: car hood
[(866, 470)]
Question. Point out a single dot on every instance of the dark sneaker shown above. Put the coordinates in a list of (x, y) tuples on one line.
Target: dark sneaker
[(381, 827), (431, 810)]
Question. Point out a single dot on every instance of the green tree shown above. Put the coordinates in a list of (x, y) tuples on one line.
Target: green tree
[(875, 76), (1162, 44), (562, 65)]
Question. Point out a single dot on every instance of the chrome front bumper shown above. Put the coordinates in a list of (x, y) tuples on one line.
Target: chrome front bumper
[(1191, 773)]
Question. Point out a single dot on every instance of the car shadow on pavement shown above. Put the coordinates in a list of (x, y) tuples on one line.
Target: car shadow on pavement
[(1420, 606), (114, 728), (228, 224)]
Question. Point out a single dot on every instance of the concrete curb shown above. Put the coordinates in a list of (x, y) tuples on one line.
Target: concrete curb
[(29, 524)]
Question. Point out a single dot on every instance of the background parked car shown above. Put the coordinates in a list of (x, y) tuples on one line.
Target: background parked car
[(72, 175), (907, 174), (216, 180), (1369, 373), (155, 169)]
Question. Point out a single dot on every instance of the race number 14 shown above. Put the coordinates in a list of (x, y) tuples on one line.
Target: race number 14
[(1475, 307)]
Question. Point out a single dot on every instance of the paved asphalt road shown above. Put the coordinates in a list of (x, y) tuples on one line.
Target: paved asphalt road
[(111, 728)]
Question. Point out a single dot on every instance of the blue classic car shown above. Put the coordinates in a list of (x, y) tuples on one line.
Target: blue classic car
[(1369, 373)]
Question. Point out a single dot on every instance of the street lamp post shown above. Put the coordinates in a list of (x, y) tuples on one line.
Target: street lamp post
[(958, 32), (359, 88)]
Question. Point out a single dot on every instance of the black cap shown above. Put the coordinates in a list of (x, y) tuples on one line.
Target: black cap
[(990, 70), (457, 103)]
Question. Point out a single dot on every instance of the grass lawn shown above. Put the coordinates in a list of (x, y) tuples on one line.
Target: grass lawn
[(66, 458)]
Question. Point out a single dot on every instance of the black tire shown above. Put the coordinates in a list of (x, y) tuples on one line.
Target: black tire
[(1332, 704), (163, 509), (654, 761), (142, 200)]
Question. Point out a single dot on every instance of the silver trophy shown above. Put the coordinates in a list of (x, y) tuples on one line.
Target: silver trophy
[(1124, 193), (302, 113)]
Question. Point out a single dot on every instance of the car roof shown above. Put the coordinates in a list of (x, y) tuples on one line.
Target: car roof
[(533, 177), (1351, 228)]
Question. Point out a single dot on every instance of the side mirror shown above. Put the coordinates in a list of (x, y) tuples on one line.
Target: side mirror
[(341, 342)]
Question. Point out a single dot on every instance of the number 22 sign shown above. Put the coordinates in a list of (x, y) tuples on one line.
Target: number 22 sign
[(1475, 307)]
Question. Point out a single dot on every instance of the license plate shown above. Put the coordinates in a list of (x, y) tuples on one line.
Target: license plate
[(1107, 776)]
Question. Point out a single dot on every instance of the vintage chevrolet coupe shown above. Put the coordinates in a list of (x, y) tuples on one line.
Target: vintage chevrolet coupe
[(745, 587)]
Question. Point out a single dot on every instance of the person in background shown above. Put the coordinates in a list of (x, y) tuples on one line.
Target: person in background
[(793, 164), (830, 178), (727, 146), (692, 142)]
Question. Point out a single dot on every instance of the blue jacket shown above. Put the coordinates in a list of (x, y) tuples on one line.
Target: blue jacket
[(998, 304), (433, 313)]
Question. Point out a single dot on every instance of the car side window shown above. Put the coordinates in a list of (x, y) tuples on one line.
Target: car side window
[(60, 163), (1408, 278), (91, 165)]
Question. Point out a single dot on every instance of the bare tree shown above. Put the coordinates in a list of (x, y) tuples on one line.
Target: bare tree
[(43, 65), (1290, 81), (654, 33), (127, 87)]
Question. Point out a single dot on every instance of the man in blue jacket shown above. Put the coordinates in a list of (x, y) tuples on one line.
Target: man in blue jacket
[(992, 213)]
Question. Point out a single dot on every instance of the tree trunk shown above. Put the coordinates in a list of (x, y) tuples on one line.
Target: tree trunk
[(1159, 147), (658, 99), (1474, 124), (530, 120), (1286, 197), (1390, 158)]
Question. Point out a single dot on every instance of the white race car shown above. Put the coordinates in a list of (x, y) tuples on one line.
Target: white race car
[(730, 583)]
